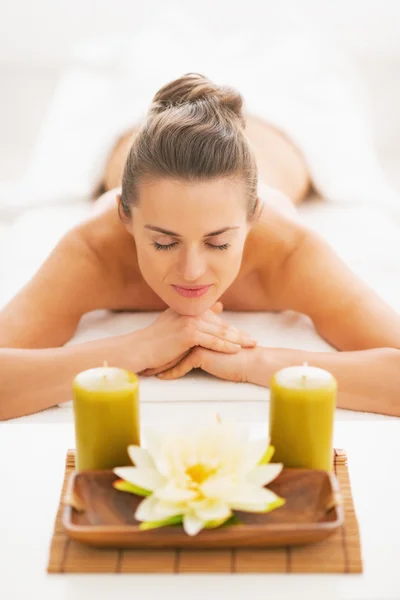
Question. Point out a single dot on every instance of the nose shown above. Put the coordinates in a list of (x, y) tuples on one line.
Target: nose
[(192, 265)]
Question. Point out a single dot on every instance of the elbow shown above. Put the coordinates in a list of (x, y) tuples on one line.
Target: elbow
[(7, 409), (10, 411), (12, 405), (3, 404), (5, 417), (5, 414), (7, 396)]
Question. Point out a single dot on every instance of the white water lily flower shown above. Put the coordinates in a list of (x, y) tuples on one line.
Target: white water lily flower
[(201, 474)]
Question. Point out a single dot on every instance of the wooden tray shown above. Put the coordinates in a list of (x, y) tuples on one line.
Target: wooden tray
[(105, 516)]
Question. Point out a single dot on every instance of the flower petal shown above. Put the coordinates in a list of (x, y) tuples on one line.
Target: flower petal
[(264, 474), (248, 493), (146, 511), (255, 451), (145, 478), (177, 520), (141, 457), (192, 524), (213, 510), (220, 487), (261, 507), (152, 509), (174, 493), (153, 441)]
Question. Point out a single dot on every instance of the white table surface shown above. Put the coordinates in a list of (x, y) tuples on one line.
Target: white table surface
[(32, 466)]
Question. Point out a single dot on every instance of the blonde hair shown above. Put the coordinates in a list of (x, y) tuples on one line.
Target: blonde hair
[(194, 132)]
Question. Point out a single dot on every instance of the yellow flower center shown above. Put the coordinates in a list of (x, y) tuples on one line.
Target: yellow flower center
[(198, 473)]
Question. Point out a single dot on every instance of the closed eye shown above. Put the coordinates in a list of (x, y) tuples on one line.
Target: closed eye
[(221, 247), (158, 246), (170, 246)]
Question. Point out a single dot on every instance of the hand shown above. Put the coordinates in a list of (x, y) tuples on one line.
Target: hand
[(233, 367), (171, 337), (161, 369)]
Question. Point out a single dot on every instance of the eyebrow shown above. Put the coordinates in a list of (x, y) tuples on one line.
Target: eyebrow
[(166, 232)]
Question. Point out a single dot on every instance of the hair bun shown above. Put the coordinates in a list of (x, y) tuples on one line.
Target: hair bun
[(193, 87)]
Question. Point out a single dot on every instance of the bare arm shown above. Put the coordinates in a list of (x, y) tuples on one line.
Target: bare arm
[(345, 310), (368, 380), (33, 380), (35, 373), (348, 314)]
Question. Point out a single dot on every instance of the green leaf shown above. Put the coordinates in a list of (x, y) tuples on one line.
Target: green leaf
[(126, 486), (267, 456), (176, 520)]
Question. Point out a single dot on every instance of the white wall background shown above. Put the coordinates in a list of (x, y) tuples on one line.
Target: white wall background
[(36, 38), (42, 31)]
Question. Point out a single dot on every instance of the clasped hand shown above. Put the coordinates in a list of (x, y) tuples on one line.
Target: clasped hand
[(179, 344)]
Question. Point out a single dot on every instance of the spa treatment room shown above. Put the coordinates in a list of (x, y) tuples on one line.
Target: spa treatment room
[(200, 299)]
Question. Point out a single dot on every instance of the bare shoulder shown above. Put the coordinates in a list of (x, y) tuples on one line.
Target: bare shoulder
[(274, 237), (112, 246), (81, 274), (303, 273)]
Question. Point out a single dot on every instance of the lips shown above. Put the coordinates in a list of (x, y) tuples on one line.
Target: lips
[(194, 291), (192, 287)]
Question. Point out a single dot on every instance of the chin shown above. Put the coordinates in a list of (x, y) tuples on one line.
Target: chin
[(191, 307)]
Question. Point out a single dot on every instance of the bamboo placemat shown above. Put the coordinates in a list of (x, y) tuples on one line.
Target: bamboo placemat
[(340, 553)]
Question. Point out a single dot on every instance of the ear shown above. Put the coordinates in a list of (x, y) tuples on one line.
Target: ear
[(258, 210), (124, 218)]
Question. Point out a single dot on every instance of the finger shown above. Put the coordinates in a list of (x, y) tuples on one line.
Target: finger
[(184, 367), (217, 308), (225, 331), (213, 342), (239, 333), (242, 337), (169, 365)]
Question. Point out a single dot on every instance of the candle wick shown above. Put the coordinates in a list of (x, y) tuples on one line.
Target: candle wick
[(105, 366), (304, 375)]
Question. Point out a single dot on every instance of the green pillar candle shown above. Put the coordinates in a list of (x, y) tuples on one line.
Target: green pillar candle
[(302, 412), (106, 411)]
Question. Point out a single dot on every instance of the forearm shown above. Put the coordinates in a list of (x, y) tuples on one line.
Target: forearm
[(368, 380), (33, 380)]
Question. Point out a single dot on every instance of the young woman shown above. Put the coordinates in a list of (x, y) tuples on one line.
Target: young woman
[(186, 231)]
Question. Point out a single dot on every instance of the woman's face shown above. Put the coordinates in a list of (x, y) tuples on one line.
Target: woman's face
[(189, 239)]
